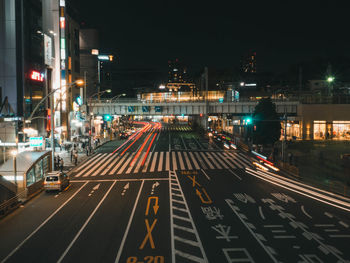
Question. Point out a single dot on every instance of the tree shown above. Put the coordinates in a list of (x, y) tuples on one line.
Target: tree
[(267, 127)]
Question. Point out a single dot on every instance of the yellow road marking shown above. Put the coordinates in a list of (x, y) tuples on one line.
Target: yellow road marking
[(149, 234)]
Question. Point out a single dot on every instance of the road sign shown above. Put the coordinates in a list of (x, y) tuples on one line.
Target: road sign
[(131, 108), (145, 108), (158, 108), (36, 141)]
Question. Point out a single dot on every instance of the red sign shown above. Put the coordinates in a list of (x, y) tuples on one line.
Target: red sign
[(36, 75)]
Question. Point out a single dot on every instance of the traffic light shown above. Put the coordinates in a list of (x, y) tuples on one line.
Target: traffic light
[(248, 120), (107, 117)]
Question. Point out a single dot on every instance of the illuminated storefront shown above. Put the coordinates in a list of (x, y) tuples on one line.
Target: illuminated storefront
[(341, 130), (320, 130)]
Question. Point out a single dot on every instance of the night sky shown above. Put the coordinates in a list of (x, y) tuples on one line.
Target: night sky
[(146, 34)]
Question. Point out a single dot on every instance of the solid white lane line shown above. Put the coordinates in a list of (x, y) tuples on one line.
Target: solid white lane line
[(147, 162), (272, 226), (169, 143), (189, 166), (344, 224), (282, 237), (110, 166), (261, 213), (160, 164), (181, 161), (200, 160), (324, 225), (119, 164), (125, 164), (205, 174), (42, 224), (90, 165), (139, 163), (217, 158), (174, 161), (235, 174), (206, 160), (340, 236), (128, 226), (88, 162), (331, 230), (305, 213), (104, 163), (328, 214), (213, 160), (171, 219), (153, 166), (167, 161), (85, 224), (194, 161)]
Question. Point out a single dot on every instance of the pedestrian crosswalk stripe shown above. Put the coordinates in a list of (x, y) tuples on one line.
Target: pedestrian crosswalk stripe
[(206, 160), (200, 160), (223, 157), (119, 163), (160, 164), (131, 156), (223, 164), (239, 158), (181, 161), (139, 163), (234, 161), (147, 162), (104, 163), (188, 161), (167, 161), (213, 160), (244, 159), (174, 161), (154, 162), (91, 165), (110, 165), (194, 161), (88, 161)]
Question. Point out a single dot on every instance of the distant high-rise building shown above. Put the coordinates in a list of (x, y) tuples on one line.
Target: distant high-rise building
[(177, 73), (249, 63)]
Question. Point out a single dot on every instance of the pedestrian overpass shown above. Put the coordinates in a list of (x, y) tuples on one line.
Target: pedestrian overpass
[(137, 107)]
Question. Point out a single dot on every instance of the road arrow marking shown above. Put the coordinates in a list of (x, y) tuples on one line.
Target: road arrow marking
[(96, 187), (126, 187), (155, 207), (155, 185)]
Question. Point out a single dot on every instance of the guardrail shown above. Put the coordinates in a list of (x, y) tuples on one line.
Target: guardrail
[(12, 203)]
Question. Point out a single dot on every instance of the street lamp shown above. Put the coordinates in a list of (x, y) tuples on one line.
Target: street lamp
[(14, 154), (78, 82)]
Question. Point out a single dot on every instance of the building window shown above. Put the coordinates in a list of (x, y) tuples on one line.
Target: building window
[(341, 130), (319, 130)]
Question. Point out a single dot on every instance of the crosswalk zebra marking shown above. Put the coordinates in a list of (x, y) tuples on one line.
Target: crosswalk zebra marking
[(139, 163), (223, 157), (105, 163), (188, 161), (194, 161), (223, 164), (131, 156), (160, 164), (181, 161), (167, 161), (174, 161), (214, 161), (90, 165), (244, 162), (200, 160), (147, 162), (206, 160), (88, 162), (117, 166), (233, 160), (244, 159), (153, 166), (110, 165)]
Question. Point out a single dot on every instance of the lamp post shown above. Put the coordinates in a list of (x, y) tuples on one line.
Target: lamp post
[(330, 80), (78, 82), (14, 154)]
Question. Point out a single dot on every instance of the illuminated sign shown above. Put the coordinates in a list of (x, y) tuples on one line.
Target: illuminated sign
[(94, 52), (36, 141), (36, 75), (103, 57)]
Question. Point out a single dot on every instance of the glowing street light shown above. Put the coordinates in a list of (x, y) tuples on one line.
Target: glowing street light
[(14, 154), (330, 79)]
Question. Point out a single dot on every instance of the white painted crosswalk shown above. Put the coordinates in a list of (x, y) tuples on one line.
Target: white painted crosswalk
[(113, 164)]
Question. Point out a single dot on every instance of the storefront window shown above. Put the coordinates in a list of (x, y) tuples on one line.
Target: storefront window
[(319, 130), (38, 171), (341, 130)]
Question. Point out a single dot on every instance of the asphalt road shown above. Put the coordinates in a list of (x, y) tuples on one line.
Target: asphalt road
[(167, 195)]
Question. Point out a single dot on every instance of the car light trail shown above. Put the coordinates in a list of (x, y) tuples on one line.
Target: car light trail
[(148, 149)]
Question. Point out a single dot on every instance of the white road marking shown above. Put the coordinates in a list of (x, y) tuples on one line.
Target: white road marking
[(226, 160), (200, 160), (167, 161), (239, 165), (174, 161), (104, 163), (160, 164), (128, 226), (235, 174), (110, 166), (153, 165), (181, 161), (283, 237), (213, 159), (206, 160), (305, 213), (147, 162), (189, 166), (344, 224), (90, 165), (86, 222), (272, 226), (328, 214), (125, 164), (205, 174), (194, 161), (88, 162), (217, 157), (331, 230), (139, 162), (119, 164), (261, 213), (42, 224), (340, 236), (324, 225)]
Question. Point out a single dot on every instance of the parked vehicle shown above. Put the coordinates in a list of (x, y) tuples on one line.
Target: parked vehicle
[(56, 181)]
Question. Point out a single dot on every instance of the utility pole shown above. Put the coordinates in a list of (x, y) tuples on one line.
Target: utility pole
[(284, 135), (99, 80), (206, 98)]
